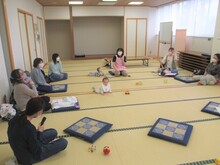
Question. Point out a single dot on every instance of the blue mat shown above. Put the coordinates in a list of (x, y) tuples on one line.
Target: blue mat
[(211, 108), (88, 129), (172, 131), (59, 88), (185, 79)]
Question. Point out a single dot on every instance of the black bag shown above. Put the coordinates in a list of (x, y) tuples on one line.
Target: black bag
[(47, 78), (11, 98), (198, 72)]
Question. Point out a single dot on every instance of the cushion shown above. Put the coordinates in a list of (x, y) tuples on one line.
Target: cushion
[(88, 129), (172, 131), (212, 108), (65, 104), (185, 79), (59, 88)]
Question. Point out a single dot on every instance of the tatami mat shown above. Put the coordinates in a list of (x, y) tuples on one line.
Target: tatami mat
[(132, 116)]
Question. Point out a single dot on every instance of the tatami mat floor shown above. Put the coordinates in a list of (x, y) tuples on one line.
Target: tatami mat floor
[(132, 117)]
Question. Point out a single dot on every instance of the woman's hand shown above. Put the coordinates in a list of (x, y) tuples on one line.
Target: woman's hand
[(40, 128)]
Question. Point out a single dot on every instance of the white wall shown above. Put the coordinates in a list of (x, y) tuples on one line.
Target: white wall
[(12, 6), (79, 11), (56, 13), (199, 44), (4, 87)]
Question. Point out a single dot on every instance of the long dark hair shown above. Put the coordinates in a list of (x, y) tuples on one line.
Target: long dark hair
[(33, 106), (16, 77), (54, 57)]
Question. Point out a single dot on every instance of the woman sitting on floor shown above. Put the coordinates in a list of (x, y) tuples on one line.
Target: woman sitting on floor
[(25, 90), (168, 63), (31, 145), (212, 72), (119, 61), (38, 77), (55, 69)]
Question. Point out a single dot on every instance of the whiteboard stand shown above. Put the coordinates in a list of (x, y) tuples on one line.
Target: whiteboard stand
[(163, 42)]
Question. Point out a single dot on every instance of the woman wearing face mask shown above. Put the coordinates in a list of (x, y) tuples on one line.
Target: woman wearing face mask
[(119, 61), (55, 69), (38, 77), (212, 72)]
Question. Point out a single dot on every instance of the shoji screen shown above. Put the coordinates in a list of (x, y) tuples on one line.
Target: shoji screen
[(31, 37), (41, 39), (25, 47), (27, 38), (136, 37)]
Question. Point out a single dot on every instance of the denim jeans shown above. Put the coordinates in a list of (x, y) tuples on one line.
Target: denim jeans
[(58, 77), (50, 146)]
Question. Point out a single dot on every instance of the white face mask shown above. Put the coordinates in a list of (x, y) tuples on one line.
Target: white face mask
[(41, 65), (119, 53), (214, 60), (58, 59)]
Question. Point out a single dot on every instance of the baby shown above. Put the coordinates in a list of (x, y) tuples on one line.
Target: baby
[(99, 72), (27, 77), (105, 87)]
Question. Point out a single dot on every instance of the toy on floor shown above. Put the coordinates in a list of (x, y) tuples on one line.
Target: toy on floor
[(127, 92), (93, 89), (139, 83), (106, 150), (92, 148), (217, 161)]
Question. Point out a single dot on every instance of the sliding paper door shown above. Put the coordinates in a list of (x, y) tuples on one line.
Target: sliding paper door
[(24, 41), (41, 39), (131, 37), (27, 39), (136, 37)]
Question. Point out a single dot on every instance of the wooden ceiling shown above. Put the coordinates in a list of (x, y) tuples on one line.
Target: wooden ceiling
[(149, 3)]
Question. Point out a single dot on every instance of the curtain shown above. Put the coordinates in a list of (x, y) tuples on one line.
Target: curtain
[(197, 16)]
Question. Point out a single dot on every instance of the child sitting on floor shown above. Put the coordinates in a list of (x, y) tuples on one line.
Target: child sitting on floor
[(105, 87), (99, 73)]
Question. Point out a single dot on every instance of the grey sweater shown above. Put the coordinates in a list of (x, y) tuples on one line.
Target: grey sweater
[(22, 94), (38, 77)]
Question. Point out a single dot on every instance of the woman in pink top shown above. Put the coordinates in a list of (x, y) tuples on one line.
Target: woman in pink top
[(119, 61)]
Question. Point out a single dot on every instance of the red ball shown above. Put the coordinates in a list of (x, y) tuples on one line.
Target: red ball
[(106, 150)]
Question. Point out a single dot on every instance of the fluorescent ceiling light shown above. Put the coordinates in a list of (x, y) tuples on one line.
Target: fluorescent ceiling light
[(109, 0), (75, 2), (135, 3), (107, 3)]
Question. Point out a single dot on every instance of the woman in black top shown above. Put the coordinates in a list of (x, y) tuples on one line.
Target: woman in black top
[(31, 145), (212, 72)]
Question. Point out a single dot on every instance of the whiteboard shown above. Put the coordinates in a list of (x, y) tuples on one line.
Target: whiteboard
[(166, 32)]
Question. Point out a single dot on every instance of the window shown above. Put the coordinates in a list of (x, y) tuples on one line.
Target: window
[(197, 16)]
